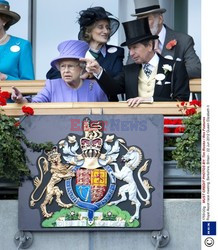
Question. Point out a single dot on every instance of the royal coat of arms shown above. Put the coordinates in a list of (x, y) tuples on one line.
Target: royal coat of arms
[(94, 180)]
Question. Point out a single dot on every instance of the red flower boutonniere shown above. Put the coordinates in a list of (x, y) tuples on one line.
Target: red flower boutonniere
[(171, 44)]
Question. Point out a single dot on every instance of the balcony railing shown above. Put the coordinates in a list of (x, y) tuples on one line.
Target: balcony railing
[(176, 181)]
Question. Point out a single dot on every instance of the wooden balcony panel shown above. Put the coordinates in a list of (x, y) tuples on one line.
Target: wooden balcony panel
[(26, 87), (32, 87), (195, 85), (86, 108)]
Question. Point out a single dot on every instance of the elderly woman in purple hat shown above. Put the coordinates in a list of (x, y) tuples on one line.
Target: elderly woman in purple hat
[(96, 27), (70, 87), (16, 53)]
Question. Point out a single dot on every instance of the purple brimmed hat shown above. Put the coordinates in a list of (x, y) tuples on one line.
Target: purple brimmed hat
[(91, 15), (71, 49), (5, 9), (144, 7)]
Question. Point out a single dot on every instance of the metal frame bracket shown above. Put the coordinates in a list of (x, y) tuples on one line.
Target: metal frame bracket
[(23, 240), (160, 238)]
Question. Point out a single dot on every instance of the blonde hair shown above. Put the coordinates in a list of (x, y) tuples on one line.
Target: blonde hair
[(87, 32)]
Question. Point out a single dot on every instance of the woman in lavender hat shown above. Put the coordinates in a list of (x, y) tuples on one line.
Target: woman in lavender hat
[(70, 87)]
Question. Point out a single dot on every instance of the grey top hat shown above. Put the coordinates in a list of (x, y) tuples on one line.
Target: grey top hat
[(143, 7), (137, 31), (71, 49), (5, 9)]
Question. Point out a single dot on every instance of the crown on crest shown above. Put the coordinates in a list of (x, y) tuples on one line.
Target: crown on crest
[(92, 142)]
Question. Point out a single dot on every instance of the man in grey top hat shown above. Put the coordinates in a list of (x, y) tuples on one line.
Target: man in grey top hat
[(150, 77), (171, 44)]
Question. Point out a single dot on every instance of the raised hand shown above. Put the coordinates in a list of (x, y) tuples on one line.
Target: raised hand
[(16, 96), (92, 66)]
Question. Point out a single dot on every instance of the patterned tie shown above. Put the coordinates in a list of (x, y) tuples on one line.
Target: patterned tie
[(146, 69)]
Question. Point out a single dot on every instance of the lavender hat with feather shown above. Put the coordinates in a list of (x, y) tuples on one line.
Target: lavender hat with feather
[(71, 49)]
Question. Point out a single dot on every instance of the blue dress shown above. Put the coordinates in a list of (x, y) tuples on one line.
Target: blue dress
[(16, 59)]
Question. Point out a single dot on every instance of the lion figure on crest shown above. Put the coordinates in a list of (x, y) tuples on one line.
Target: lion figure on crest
[(58, 172)]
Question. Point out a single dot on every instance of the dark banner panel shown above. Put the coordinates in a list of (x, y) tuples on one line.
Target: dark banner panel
[(104, 172)]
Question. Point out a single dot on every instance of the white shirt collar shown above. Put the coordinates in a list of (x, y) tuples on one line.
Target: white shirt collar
[(154, 61), (162, 36)]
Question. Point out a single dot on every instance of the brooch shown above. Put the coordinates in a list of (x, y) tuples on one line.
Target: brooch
[(91, 86)]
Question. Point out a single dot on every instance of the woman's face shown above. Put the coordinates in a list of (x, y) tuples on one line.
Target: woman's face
[(2, 23), (101, 32), (4, 19), (70, 70)]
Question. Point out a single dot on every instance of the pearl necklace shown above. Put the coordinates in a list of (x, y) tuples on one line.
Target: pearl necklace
[(4, 37)]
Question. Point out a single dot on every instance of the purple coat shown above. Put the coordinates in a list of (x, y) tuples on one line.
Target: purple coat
[(58, 91)]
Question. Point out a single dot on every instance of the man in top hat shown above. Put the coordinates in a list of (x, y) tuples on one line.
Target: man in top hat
[(150, 77), (171, 44)]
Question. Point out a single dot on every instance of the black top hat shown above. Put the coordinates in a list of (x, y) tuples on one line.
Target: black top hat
[(137, 31), (91, 15)]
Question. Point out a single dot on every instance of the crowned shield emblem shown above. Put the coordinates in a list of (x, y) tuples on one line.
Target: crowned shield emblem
[(93, 180), (91, 185)]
